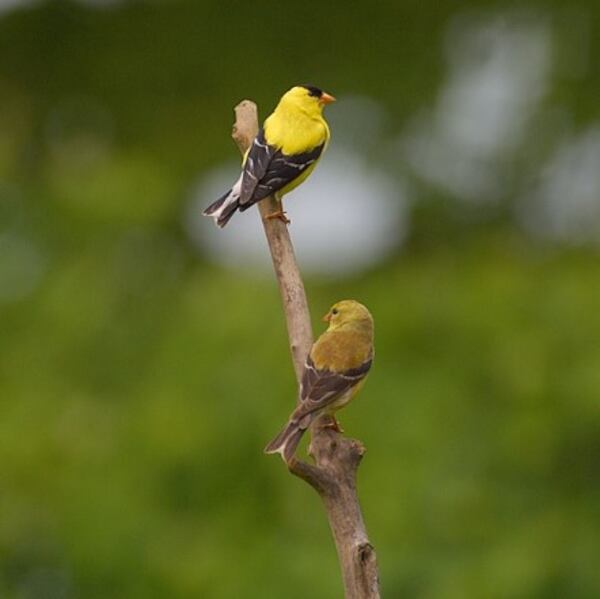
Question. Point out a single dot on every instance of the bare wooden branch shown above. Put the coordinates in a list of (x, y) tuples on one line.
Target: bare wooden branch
[(282, 251), (336, 457)]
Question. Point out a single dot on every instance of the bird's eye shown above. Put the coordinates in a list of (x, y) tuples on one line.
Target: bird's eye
[(334, 311)]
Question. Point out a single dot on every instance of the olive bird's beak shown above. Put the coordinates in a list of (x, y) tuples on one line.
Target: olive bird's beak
[(326, 98), (327, 317)]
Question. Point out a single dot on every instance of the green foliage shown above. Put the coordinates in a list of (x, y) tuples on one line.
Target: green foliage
[(134, 416)]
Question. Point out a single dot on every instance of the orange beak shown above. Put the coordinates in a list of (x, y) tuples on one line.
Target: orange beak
[(326, 98), (327, 317)]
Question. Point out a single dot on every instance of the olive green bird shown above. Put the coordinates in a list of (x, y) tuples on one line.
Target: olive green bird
[(334, 372)]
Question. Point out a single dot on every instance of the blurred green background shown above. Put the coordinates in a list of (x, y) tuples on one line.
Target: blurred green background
[(140, 376)]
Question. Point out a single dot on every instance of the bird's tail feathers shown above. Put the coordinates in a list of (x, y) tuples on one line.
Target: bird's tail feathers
[(224, 208), (286, 442)]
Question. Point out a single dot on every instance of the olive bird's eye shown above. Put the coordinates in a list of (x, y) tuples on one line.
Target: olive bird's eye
[(334, 311)]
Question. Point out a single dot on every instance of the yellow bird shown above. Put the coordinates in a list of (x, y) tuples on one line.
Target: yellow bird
[(283, 154), (335, 371)]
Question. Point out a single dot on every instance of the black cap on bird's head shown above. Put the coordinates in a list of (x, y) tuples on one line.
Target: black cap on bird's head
[(315, 92)]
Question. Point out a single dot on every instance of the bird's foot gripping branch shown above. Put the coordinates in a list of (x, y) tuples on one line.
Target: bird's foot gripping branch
[(281, 215), (336, 458)]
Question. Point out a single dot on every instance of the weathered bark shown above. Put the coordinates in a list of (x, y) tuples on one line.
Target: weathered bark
[(282, 251), (336, 457)]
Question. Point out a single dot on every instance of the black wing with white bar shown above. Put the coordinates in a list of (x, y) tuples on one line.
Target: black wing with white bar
[(268, 170)]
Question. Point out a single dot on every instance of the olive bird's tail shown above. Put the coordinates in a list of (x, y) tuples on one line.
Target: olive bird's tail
[(286, 442)]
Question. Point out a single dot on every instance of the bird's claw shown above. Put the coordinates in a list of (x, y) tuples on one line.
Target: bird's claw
[(280, 215), (334, 425)]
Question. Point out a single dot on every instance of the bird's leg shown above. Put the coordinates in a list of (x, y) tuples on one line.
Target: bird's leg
[(280, 214), (333, 424)]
